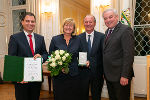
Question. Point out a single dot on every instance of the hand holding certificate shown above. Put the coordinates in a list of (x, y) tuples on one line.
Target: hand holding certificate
[(18, 69), (82, 58), (32, 69)]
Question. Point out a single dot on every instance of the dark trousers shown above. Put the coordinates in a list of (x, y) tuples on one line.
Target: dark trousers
[(27, 91), (66, 87), (88, 82), (118, 92)]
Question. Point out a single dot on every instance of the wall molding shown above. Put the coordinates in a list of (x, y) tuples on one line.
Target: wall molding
[(2, 19)]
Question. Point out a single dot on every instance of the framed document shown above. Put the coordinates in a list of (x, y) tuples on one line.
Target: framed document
[(82, 58), (17, 69)]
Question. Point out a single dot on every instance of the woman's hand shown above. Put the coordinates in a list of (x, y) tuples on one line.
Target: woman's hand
[(63, 70)]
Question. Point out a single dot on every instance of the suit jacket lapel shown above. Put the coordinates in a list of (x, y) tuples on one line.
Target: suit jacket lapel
[(36, 42), (111, 35), (84, 41), (104, 44), (94, 45), (25, 42)]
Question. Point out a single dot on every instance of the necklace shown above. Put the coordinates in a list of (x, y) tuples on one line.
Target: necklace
[(67, 39)]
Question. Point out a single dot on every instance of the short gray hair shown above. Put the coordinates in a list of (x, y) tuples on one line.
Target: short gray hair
[(91, 16), (110, 9)]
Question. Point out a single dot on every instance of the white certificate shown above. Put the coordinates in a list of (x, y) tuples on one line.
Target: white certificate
[(32, 69), (82, 58)]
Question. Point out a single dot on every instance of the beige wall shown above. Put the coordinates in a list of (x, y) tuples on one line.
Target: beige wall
[(4, 36), (69, 8)]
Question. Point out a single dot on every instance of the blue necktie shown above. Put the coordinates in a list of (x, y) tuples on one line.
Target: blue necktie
[(89, 43)]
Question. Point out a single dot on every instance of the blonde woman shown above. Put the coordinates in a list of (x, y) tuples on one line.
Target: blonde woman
[(66, 86)]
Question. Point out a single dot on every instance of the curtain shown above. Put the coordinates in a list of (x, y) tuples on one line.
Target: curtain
[(132, 5), (34, 7), (46, 24)]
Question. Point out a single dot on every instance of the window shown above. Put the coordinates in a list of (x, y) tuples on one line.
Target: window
[(142, 28), (18, 2), (17, 8), (17, 16)]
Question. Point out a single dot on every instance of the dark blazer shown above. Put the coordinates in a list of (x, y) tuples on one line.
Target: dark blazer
[(118, 53), (95, 57), (58, 43), (19, 46)]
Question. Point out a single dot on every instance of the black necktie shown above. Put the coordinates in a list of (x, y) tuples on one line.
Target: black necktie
[(89, 43)]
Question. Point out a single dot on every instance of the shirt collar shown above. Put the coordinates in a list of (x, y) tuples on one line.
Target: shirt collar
[(92, 34), (26, 33)]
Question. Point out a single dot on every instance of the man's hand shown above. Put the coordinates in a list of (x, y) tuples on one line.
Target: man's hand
[(88, 64), (37, 56), (22, 82), (123, 81)]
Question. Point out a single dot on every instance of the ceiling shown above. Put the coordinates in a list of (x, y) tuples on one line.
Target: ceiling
[(84, 3)]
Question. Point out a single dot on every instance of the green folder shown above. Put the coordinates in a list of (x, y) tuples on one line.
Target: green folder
[(14, 69)]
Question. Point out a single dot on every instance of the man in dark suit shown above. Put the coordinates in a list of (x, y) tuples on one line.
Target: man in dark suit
[(91, 76), (27, 44), (118, 56)]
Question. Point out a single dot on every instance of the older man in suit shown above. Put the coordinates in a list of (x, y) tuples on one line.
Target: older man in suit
[(118, 56), (92, 76), (27, 44)]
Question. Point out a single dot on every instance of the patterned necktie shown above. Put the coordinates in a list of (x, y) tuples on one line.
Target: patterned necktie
[(31, 44), (110, 31), (89, 43)]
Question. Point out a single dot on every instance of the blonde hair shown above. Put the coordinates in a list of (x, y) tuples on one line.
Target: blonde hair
[(69, 21)]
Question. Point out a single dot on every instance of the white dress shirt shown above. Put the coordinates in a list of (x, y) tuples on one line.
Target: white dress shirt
[(91, 37), (33, 39)]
